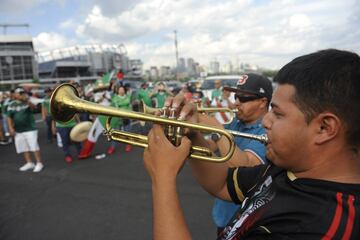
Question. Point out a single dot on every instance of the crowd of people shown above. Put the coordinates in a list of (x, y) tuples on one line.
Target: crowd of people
[(17, 118), (288, 188)]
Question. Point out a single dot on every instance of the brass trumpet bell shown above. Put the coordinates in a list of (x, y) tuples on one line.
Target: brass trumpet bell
[(63, 102)]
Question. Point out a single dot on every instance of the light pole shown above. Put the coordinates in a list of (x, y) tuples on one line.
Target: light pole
[(177, 57)]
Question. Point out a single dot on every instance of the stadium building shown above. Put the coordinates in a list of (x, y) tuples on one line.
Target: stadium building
[(17, 56), (85, 61), (20, 63)]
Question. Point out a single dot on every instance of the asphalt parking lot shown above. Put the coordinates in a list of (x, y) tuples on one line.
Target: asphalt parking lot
[(107, 198)]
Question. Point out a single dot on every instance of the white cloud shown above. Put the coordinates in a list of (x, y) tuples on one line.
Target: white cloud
[(299, 21), (48, 41), (68, 24), (268, 33)]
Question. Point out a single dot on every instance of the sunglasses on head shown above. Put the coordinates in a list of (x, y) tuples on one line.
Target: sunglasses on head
[(246, 98)]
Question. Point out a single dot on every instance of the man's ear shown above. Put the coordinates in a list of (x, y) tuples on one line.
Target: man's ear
[(327, 127), (264, 103)]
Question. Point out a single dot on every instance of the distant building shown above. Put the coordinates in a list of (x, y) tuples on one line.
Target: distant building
[(165, 72), (136, 66), (228, 67), (191, 66), (154, 73), (17, 57), (82, 61), (214, 67), (181, 67)]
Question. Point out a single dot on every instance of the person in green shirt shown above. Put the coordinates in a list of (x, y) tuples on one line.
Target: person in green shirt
[(216, 93), (120, 100), (64, 130), (144, 95), (160, 93), (22, 127)]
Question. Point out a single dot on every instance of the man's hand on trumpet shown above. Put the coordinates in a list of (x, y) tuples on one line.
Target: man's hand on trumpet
[(162, 159), (187, 111)]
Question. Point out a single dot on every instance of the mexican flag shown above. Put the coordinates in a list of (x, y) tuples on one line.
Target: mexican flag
[(105, 80)]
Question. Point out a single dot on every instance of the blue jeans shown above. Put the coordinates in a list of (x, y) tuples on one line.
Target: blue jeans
[(65, 138)]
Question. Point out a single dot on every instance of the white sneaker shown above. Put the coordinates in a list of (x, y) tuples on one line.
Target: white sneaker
[(27, 166), (38, 167)]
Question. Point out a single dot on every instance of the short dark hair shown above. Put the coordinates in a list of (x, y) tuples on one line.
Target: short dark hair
[(117, 87), (327, 80)]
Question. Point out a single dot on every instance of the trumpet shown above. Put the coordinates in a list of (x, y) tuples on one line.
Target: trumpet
[(204, 110), (65, 103), (212, 110)]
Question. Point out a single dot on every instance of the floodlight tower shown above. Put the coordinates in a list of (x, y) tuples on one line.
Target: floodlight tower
[(177, 56)]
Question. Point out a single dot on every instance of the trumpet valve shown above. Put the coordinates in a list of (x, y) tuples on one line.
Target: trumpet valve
[(163, 112)]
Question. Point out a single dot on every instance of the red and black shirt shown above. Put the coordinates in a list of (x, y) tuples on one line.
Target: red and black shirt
[(277, 205)]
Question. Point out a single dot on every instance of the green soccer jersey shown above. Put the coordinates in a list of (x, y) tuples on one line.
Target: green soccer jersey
[(122, 102), (22, 116), (144, 95), (117, 101), (216, 93), (160, 99), (68, 124)]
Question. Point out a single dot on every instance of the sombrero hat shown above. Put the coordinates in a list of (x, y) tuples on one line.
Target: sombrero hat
[(80, 131)]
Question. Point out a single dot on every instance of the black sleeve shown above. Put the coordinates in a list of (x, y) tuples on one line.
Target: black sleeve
[(241, 180)]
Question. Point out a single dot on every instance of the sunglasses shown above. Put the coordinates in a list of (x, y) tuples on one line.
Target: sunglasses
[(246, 98)]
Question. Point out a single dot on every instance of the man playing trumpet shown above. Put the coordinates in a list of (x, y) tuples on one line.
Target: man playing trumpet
[(309, 190)]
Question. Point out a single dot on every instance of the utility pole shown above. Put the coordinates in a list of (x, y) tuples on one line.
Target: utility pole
[(177, 57)]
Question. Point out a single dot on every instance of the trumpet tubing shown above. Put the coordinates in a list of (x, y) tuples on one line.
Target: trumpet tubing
[(207, 110), (204, 110), (65, 103)]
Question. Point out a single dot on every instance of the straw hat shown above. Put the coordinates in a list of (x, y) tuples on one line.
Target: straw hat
[(80, 131)]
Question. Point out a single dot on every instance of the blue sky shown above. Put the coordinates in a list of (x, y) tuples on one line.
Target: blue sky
[(261, 32)]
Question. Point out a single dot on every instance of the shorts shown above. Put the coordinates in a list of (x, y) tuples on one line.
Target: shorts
[(26, 141)]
